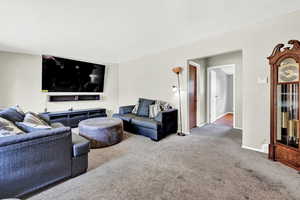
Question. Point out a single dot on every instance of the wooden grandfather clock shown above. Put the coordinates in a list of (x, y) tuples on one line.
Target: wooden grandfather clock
[(284, 146)]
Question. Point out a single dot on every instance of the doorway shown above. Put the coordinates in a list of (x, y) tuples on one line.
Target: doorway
[(221, 95), (192, 93)]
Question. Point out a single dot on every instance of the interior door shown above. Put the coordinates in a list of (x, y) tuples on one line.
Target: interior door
[(213, 95), (193, 96)]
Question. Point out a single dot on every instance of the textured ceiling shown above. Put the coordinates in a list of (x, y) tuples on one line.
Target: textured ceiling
[(116, 31)]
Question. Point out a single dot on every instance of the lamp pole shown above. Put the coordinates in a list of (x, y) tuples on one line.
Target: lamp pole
[(177, 70)]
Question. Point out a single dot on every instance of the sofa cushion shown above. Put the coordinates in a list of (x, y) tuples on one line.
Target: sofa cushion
[(154, 110), (125, 117), (33, 118), (146, 122), (12, 115), (81, 145), (30, 127), (7, 128), (19, 110), (143, 109)]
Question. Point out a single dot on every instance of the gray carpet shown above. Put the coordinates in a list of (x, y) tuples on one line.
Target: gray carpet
[(208, 164)]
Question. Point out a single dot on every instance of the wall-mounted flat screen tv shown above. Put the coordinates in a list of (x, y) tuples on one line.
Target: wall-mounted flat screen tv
[(65, 75)]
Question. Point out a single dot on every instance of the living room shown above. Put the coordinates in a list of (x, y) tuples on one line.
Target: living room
[(130, 138)]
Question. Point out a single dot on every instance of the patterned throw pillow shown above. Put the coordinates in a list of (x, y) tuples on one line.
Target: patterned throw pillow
[(164, 105), (7, 128), (154, 110), (33, 118), (30, 127), (135, 109)]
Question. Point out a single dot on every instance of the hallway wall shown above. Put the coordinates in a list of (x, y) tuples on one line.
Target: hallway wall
[(223, 92)]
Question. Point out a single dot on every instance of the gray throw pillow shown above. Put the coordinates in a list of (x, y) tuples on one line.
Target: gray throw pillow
[(7, 128), (19, 110), (12, 114), (143, 109)]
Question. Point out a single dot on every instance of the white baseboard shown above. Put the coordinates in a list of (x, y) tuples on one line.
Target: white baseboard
[(200, 125), (239, 128), (262, 150)]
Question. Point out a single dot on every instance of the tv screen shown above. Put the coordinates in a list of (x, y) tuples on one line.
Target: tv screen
[(65, 75)]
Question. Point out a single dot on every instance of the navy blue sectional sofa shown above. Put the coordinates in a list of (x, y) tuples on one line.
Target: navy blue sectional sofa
[(31, 161), (165, 123)]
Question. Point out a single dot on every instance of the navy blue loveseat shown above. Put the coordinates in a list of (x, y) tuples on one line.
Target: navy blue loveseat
[(165, 123)]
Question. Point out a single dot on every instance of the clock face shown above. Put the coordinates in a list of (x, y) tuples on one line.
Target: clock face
[(288, 71)]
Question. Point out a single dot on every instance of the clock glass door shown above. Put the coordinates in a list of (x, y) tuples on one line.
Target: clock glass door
[(287, 114), (288, 103)]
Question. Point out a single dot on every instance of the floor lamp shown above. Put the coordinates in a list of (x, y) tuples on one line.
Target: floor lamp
[(177, 71)]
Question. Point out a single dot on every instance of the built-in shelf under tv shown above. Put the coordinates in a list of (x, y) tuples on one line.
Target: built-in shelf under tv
[(66, 75)]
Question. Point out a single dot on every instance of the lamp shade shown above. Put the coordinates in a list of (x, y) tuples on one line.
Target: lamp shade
[(177, 70)]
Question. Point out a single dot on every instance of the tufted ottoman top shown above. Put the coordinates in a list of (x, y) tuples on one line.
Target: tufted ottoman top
[(100, 123)]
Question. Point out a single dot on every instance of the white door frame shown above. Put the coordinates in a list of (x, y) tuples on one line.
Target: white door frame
[(209, 69), (212, 96)]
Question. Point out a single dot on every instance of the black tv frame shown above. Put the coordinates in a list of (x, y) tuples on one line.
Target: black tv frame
[(71, 60)]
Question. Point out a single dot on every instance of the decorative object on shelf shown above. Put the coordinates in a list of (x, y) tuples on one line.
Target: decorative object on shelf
[(284, 145), (177, 71)]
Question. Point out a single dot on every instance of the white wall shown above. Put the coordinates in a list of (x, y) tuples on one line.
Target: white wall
[(21, 79), (201, 93), (151, 76)]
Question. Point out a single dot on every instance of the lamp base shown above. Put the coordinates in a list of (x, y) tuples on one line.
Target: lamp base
[(181, 134)]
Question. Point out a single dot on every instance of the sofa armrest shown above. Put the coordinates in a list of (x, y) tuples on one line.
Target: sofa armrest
[(126, 109), (169, 120)]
